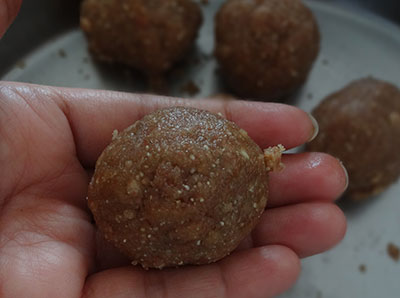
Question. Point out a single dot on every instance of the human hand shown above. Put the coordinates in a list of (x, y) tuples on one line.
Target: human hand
[(50, 139)]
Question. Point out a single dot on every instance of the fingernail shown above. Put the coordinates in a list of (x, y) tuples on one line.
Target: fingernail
[(315, 127), (345, 173)]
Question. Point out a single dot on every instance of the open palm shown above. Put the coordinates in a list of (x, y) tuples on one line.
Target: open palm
[(50, 139)]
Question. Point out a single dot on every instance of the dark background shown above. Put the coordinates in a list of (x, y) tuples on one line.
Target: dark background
[(39, 20)]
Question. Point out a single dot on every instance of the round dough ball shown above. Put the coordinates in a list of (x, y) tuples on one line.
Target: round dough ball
[(149, 35), (266, 48), (181, 186), (360, 125)]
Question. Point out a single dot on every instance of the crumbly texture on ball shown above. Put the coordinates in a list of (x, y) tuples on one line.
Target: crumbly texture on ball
[(266, 48), (360, 125), (149, 35), (181, 186)]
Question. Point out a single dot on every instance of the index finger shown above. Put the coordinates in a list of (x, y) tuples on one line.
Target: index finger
[(93, 115)]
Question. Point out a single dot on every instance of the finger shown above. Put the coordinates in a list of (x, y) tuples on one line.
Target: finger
[(267, 124), (308, 228), (307, 176), (8, 11), (107, 256), (93, 115), (260, 272), (297, 226)]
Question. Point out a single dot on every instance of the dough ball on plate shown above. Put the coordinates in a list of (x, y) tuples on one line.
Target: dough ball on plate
[(149, 35), (360, 125), (266, 48)]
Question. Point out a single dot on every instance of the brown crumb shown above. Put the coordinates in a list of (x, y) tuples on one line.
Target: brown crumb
[(62, 53), (190, 88), (393, 251), (204, 2), (362, 268)]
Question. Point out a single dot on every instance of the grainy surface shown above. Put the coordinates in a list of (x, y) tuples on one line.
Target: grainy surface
[(360, 125), (266, 47), (150, 35), (181, 186)]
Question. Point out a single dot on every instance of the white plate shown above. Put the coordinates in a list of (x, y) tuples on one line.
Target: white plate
[(354, 45)]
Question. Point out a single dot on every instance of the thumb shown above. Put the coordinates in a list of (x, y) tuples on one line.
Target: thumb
[(8, 11)]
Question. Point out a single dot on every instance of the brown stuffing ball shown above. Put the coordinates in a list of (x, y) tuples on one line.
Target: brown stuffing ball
[(149, 35), (266, 48), (360, 125), (181, 186)]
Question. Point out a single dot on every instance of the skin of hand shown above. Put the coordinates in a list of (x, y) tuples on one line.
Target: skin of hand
[(50, 139)]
